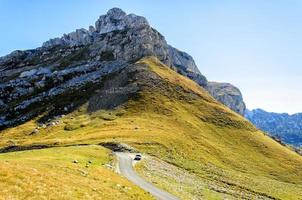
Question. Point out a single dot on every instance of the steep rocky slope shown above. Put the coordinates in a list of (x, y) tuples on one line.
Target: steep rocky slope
[(71, 66), (282, 126)]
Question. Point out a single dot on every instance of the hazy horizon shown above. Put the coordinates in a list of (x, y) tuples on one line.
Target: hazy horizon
[(254, 45)]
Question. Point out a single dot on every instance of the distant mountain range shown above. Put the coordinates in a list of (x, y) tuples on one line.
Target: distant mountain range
[(287, 128)]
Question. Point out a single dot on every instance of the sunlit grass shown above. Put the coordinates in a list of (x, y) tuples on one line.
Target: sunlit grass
[(179, 122), (78, 172)]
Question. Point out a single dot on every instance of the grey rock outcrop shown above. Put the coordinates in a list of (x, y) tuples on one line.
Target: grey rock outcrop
[(114, 20), (117, 19), (79, 37), (29, 95), (185, 65), (227, 94), (31, 73), (183, 60)]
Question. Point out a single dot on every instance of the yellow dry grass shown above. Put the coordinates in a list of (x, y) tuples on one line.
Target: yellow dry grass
[(77, 172), (180, 123)]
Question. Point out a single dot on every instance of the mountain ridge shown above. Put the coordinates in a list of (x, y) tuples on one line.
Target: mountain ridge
[(283, 126)]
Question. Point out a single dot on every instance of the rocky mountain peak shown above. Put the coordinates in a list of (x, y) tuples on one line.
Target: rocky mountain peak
[(129, 37), (117, 19), (80, 59), (116, 14)]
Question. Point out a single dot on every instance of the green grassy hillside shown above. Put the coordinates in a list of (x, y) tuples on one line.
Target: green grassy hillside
[(174, 120)]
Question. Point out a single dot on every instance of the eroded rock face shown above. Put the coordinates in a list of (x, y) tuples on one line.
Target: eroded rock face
[(27, 96), (185, 65), (128, 37), (76, 38), (183, 60), (227, 94), (116, 19)]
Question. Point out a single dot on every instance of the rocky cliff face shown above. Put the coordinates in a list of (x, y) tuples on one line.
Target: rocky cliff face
[(129, 37), (58, 76), (284, 127), (185, 65)]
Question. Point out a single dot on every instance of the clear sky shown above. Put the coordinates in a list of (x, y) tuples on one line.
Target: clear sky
[(254, 44)]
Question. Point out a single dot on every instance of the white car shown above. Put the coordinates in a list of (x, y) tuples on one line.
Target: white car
[(137, 157)]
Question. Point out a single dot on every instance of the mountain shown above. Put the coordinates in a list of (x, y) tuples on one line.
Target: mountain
[(76, 60), (285, 127), (67, 104)]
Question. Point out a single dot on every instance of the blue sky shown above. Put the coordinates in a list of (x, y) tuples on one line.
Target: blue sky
[(254, 44)]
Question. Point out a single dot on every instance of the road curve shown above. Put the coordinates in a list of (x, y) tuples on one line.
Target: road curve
[(126, 169)]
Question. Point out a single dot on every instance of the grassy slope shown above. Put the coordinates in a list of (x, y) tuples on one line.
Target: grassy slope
[(178, 122), (52, 174)]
